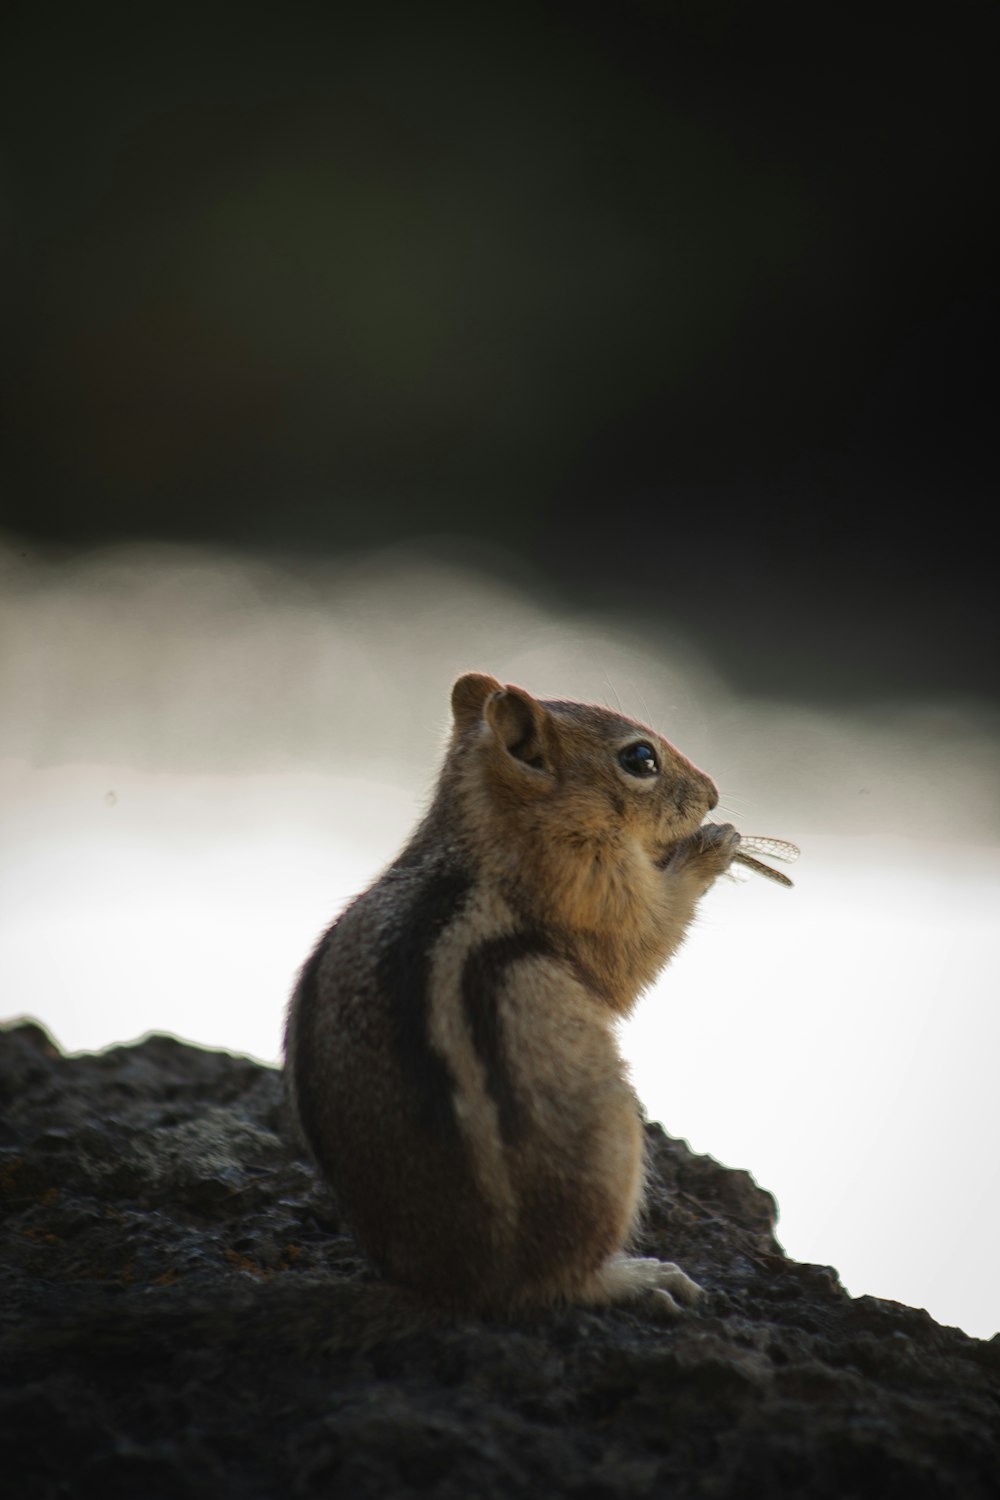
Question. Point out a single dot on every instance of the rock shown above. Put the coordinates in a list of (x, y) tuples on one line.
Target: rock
[(184, 1315)]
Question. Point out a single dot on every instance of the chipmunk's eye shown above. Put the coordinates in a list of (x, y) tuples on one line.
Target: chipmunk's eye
[(639, 759)]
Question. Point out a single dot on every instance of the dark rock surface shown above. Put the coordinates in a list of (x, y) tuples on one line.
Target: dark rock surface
[(182, 1315)]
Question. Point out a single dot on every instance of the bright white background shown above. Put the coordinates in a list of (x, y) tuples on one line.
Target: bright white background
[(202, 759)]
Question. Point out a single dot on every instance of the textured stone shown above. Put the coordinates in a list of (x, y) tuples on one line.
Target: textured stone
[(183, 1314)]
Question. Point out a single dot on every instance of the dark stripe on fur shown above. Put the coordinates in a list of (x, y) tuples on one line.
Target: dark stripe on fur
[(482, 976), (404, 979)]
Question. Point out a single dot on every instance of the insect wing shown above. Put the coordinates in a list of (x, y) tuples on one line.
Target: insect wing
[(777, 848)]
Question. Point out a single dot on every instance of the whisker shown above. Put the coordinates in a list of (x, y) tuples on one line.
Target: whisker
[(614, 693)]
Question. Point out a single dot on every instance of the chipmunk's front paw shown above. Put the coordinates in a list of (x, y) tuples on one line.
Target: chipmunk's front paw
[(707, 852)]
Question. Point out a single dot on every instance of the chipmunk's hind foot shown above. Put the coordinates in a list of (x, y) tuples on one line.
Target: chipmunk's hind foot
[(662, 1286)]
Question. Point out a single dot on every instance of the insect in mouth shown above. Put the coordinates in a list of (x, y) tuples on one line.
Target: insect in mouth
[(751, 844)]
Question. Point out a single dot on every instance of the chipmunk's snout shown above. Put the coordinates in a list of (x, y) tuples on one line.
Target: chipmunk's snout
[(695, 791)]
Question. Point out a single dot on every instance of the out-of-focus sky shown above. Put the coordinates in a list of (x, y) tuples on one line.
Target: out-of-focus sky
[(638, 354)]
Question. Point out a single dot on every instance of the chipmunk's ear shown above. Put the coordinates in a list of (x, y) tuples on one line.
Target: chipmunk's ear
[(468, 696), (519, 722)]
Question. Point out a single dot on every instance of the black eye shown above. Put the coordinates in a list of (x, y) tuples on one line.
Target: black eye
[(639, 759)]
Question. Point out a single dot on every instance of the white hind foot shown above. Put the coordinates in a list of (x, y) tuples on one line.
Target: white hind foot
[(627, 1278)]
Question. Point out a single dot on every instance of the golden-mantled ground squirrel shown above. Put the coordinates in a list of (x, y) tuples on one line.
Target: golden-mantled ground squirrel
[(450, 1047)]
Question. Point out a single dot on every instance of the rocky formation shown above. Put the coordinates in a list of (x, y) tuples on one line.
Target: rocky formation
[(183, 1315)]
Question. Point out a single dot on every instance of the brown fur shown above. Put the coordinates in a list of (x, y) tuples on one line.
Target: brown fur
[(450, 1044)]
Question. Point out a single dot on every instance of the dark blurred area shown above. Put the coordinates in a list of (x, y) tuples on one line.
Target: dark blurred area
[(688, 309)]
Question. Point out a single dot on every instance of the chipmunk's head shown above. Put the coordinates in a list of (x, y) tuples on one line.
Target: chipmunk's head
[(573, 771)]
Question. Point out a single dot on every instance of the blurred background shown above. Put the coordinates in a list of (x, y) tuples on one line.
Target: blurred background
[(636, 353)]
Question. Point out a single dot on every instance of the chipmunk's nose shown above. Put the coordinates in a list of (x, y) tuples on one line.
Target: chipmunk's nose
[(713, 795)]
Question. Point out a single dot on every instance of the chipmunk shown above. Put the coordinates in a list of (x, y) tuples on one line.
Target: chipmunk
[(449, 1045)]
